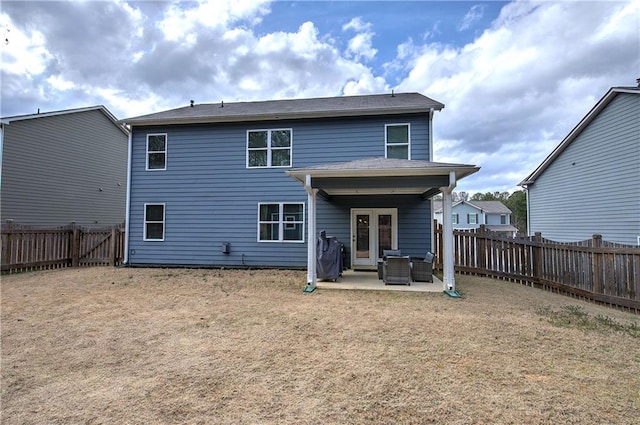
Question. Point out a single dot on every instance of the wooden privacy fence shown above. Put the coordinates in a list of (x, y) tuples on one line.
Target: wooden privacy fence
[(27, 248), (595, 269)]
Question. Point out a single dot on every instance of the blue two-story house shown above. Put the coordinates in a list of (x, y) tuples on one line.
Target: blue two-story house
[(251, 184)]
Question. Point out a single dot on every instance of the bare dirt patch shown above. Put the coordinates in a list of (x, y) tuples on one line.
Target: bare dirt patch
[(117, 345)]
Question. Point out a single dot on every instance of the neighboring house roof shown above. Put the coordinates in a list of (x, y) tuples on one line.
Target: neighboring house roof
[(342, 106), (593, 113), (489, 207), (101, 108)]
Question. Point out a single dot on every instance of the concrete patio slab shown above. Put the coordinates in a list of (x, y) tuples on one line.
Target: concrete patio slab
[(368, 281)]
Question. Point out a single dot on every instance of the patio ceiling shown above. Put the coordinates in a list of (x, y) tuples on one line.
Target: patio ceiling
[(377, 176)]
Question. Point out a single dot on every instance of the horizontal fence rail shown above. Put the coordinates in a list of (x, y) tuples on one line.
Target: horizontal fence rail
[(597, 270), (27, 248)]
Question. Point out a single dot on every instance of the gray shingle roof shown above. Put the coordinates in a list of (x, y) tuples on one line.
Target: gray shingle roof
[(379, 163), (292, 109), (101, 108)]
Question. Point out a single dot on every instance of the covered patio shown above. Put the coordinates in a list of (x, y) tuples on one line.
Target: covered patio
[(382, 178), (369, 281)]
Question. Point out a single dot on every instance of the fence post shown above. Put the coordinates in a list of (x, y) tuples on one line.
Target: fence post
[(439, 234), (481, 256), (597, 265), (7, 251), (537, 256), (75, 245), (113, 248)]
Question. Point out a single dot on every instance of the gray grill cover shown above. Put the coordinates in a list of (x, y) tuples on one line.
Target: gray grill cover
[(329, 257)]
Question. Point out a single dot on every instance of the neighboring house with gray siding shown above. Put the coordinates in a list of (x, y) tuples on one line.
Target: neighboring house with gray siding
[(470, 215), (590, 183), (64, 166), (252, 184)]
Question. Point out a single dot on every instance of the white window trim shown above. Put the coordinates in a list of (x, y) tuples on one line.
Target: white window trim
[(408, 144), (475, 217), (269, 148), (145, 222), (282, 222), (166, 143), (455, 218)]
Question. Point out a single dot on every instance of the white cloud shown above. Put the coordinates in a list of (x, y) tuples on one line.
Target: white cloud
[(366, 83), (183, 19), (59, 83), (357, 24), (361, 45), (24, 52), (524, 82), (472, 16)]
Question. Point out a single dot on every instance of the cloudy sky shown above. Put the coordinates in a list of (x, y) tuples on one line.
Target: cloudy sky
[(515, 77)]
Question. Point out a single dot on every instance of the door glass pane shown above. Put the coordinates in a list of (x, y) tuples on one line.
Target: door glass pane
[(384, 233), (362, 236)]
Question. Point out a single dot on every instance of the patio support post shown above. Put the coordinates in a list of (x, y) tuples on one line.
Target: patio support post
[(448, 272), (311, 232)]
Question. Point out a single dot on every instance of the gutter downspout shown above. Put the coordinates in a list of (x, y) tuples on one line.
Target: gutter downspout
[(432, 218), (128, 202), (448, 271), (311, 233), (1, 148)]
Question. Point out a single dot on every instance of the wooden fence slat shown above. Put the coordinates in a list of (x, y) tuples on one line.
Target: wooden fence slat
[(27, 248), (592, 269)]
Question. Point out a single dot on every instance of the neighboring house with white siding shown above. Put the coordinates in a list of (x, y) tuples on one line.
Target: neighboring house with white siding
[(469, 215), (63, 166), (590, 183)]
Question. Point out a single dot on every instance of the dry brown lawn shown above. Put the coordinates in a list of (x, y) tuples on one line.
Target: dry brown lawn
[(168, 346)]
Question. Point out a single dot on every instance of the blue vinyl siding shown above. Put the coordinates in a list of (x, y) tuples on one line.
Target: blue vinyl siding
[(494, 218), (414, 218), (211, 197), (592, 186)]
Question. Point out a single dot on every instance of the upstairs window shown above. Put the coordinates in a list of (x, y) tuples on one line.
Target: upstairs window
[(156, 152), (472, 218), (503, 219), (397, 141), (454, 218), (153, 222), (268, 148), (281, 222)]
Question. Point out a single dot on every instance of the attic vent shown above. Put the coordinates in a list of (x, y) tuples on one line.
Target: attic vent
[(192, 102), (222, 104)]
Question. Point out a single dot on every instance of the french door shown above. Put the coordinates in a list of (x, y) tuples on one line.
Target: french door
[(372, 231)]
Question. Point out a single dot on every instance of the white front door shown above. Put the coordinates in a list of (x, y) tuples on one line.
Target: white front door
[(372, 231)]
